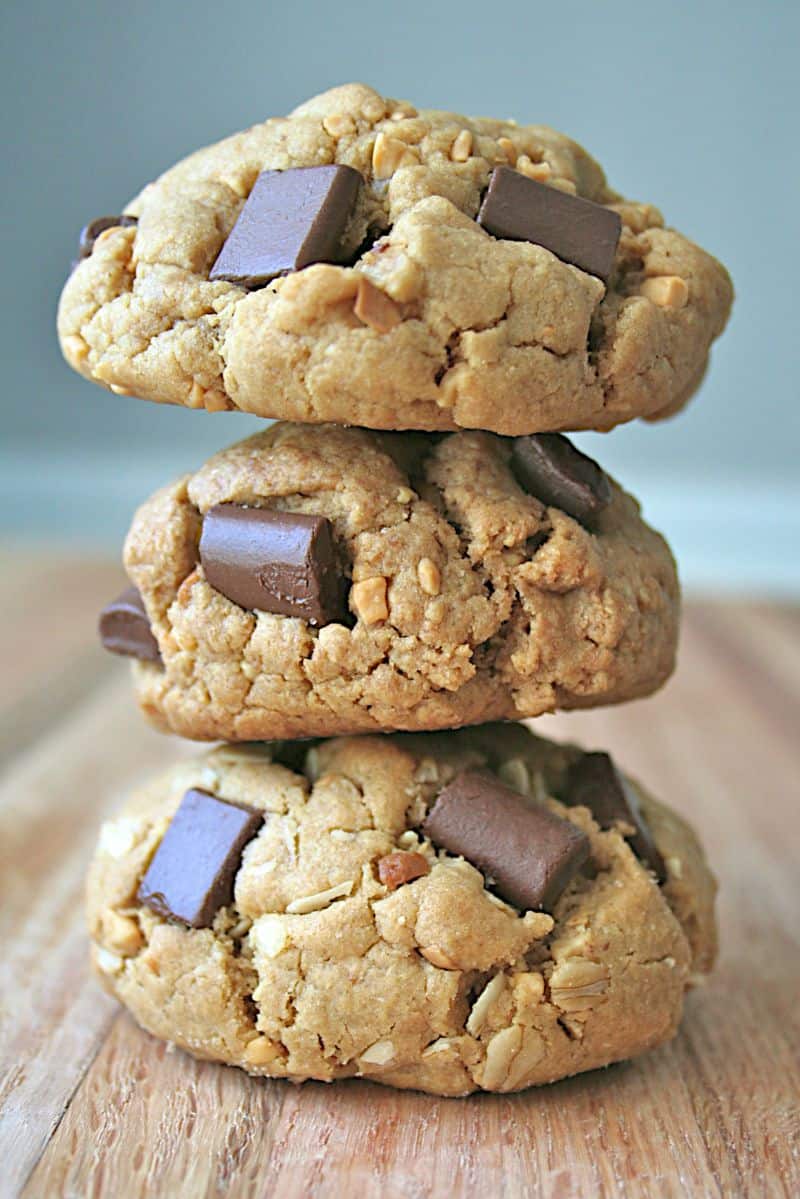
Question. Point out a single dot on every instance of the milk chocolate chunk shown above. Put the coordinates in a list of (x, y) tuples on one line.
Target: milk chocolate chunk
[(578, 231), (594, 781), (125, 629), (283, 562), (527, 854), (291, 219), (549, 466), (91, 232), (191, 874)]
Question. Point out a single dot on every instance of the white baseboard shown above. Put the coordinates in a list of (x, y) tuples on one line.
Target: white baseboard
[(728, 536)]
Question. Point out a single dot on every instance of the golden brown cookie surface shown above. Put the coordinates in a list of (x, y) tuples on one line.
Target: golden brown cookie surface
[(466, 598), (324, 965), (434, 324)]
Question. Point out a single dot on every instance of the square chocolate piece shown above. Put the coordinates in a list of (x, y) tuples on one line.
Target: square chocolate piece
[(273, 561), (191, 874), (578, 231), (291, 219), (527, 854)]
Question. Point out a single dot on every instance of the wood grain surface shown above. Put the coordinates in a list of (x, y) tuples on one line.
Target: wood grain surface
[(91, 1106)]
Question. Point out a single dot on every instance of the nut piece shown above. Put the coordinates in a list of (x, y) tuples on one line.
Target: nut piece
[(397, 868), (500, 1052), (540, 171), (576, 984), (668, 291), (270, 935), (379, 1054), (388, 154), (429, 575), (462, 146), (75, 349), (261, 1051), (118, 837), (482, 1005), (339, 124), (437, 957), (121, 933), (320, 900), (374, 308), (109, 963), (530, 1054), (509, 149), (369, 600)]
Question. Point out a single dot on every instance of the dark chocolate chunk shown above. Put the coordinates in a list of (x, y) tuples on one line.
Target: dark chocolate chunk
[(91, 232), (268, 561), (549, 466), (191, 874), (290, 220), (594, 781), (125, 629), (576, 230), (527, 854)]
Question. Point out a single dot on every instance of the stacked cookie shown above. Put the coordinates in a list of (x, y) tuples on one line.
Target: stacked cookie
[(368, 879)]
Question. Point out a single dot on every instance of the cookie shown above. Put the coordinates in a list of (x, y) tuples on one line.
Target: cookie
[(300, 911), (317, 580), (509, 287)]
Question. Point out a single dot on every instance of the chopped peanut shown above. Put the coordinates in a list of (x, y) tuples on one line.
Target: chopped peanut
[(369, 599), (668, 291), (338, 124), (388, 154), (437, 957), (540, 171), (508, 148), (374, 308), (461, 148), (429, 575)]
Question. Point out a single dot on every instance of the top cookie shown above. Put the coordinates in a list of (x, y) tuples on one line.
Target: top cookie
[(407, 304)]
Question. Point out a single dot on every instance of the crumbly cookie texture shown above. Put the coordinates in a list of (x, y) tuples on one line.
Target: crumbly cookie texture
[(479, 332), (319, 970), (470, 600)]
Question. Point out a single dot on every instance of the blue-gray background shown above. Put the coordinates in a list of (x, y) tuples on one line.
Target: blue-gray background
[(690, 105)]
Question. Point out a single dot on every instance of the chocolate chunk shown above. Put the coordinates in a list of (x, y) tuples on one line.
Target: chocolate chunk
[(91, 232), (595, 782), (576, 230), (191, 874), (291, 219), (549, 466), (527, 854), (267, 561), (125, 629)]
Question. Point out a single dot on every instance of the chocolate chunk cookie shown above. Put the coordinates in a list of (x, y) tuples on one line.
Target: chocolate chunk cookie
[(363, 262), (317, 580), (304, 914)]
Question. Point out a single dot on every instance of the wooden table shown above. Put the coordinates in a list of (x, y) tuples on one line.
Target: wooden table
[(92, 1106)]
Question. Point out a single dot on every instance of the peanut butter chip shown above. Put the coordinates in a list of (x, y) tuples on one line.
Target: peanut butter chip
[(369, 600), (668, 291), (374, 308)]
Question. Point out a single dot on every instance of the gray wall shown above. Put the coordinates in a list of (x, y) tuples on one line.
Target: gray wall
[(690, 105)]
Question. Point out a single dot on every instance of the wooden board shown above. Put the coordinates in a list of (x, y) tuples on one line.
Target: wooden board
[(89, 1105)]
